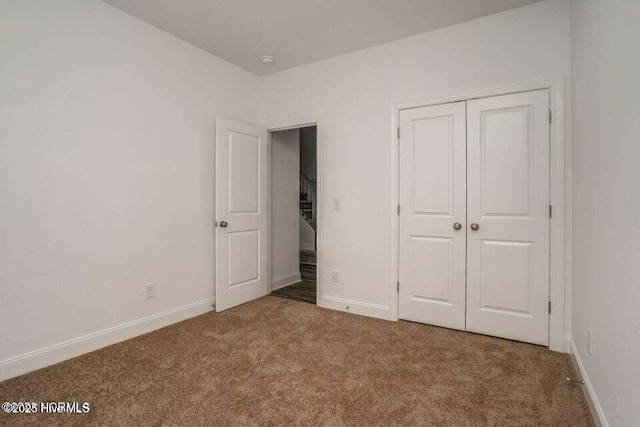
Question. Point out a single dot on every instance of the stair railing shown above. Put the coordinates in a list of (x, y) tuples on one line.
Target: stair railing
[(308, 187)]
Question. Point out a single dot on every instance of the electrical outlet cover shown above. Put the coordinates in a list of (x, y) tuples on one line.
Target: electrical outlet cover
[(335, 276), (150, 290)]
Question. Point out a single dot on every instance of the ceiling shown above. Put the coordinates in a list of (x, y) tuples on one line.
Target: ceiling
[(298, 32)]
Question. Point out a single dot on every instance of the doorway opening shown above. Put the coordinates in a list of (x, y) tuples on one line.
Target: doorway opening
[(294, 213)]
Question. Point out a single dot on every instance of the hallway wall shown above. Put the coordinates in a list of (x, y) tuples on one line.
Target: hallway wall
[(285, 216)]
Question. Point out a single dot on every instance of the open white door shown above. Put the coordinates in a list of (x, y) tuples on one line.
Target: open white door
[(241, 213)]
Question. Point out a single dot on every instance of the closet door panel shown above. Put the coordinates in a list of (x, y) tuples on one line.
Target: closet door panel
[(508, 200), (432, 199)]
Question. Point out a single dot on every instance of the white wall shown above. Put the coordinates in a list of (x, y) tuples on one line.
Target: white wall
[(285, 208), (106, 177), (307, 236), (606, 267), (353, 94)]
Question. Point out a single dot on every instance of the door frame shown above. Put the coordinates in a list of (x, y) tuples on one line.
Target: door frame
[(559, 282), (296, 123)]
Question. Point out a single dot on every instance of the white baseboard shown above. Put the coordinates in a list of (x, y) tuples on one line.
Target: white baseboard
[(592, 399), (356, 307), (286, 280), (24, 363)]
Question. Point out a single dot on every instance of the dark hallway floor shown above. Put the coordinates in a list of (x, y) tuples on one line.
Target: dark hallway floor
[(304, 290)]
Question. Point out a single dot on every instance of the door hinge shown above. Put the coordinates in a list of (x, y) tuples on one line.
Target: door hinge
[(550, 211), (398, 132), (398, 210), (398, 287), (550, 116), (549, 307)]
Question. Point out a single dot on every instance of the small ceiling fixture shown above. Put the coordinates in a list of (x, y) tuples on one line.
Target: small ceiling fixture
[(268, 59)]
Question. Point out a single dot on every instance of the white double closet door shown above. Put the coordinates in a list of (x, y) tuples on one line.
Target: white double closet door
[(474, 217)]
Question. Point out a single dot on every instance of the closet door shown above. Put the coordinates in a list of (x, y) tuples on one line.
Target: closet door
[(432, 215), (508, 216)]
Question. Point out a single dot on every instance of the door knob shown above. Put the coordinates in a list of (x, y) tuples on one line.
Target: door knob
[(457, 226), (224, 224), (475, 226)]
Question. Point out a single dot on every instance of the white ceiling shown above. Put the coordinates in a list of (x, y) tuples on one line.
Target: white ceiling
[(298, 32)]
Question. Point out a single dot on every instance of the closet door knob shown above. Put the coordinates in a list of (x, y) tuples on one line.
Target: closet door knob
[(457, 226), (224, 224), (475, 226)]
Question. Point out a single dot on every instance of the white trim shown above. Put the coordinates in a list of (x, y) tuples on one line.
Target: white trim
[(38, 359), (557, 260), (269, 219), (285, 280), (592, 400), (356, 307), (294, 123), (556, 196), (394, 199)]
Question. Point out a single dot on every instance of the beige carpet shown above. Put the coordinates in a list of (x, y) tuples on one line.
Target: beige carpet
[(278, 362)]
